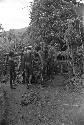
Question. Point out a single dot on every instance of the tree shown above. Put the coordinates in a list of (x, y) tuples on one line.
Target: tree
[(49, 20), (56, 22)]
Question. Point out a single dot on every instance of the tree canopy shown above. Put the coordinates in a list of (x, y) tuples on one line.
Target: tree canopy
[(51, 20)]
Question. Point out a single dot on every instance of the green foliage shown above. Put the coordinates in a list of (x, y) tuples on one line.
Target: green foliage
[(49, 21)]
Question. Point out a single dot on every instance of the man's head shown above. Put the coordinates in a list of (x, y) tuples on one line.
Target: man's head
[(28, 50), (37, 48), (11, 54), (29, 47)]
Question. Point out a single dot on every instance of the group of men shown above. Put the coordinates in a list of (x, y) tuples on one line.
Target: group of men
[(22, 65), (33, 63)]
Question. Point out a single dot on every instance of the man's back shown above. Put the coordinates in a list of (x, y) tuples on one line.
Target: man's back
[(27, 57), (26, 60), (11, 64)]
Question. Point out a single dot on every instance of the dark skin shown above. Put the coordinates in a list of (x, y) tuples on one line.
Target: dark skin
[(26, 66), (12, 71)]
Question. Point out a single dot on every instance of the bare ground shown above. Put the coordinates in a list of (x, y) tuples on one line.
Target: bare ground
[(44, 105)]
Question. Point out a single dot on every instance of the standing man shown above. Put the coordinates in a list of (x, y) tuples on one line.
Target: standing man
[(23, 66), (27, 66), (12, 69), (45, 67)]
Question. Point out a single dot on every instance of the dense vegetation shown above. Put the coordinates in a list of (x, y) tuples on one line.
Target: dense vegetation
[(55, 23)]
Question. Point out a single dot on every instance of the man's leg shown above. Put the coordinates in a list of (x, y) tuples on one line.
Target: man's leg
[(27, 75), (10, 82), (11, 79), (30, 78), (14, 76), (23, 77)]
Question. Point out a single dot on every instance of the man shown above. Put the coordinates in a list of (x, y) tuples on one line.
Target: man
[(12, 69), (45, 67), (50, 63), (27, 66), (36, 66)]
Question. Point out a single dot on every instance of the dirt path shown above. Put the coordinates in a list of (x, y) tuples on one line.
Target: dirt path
[(47, 106)]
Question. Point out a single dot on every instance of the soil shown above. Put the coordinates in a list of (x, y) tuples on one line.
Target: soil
[(51, 105)]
